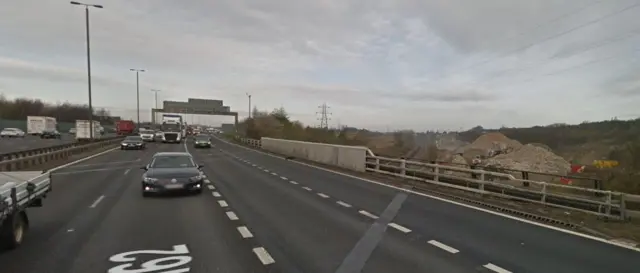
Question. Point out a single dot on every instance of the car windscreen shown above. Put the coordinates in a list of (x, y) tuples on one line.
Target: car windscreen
[(172, 161), (202, 138), (133, 138), (147, 132)]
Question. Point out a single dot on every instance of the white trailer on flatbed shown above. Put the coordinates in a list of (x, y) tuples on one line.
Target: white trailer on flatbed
[(19, 191)]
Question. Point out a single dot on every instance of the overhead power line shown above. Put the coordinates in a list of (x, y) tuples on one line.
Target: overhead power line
[(552, 37)]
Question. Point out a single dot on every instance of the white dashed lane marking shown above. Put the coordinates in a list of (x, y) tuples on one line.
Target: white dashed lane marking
[(399, 227), (307, 188), (223, 203), (293, 182), (496, 268), (274, 174), (368, 214), (443, 246), (232, 215), (346, 205), (215, 194), (244, 231), (211, 187), (323, 195), (283, 178), (263, 255), (207, 181)]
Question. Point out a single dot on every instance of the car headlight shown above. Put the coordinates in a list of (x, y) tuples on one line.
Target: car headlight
[(149, 179), (197, 178)]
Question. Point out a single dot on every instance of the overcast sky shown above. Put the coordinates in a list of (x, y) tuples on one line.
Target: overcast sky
[(379, 64)]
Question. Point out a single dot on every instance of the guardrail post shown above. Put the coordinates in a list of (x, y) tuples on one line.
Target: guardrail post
[(377, 164), (403, 167), (609, 199), (436, 170), (543, 199), (525, 176), (623, 207)]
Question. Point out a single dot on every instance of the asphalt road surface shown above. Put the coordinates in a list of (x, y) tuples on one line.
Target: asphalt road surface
[(263, 214), (10, 145)]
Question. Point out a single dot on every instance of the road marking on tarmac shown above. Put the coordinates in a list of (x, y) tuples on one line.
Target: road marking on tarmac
[(211, 187), (126, 171), (399, 227), (368, 214), (95, 203), (346, 205), (322, 195), (307, 188), (293, 182), (443, 246), (216, 194), (223, 203), (244, 231), (496, 268), (232, 215), (263, 255)]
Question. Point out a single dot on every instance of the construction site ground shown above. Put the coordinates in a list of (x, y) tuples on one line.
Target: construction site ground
[(627, 232)]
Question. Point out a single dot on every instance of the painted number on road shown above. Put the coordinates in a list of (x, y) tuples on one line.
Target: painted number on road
[(174, 259)]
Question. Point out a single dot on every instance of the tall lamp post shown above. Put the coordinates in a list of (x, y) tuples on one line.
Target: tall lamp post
[(138, 91), (153, 114), (86, 12), (249, 96)]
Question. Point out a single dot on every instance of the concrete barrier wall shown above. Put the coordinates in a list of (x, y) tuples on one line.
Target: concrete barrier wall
[(349, 157)]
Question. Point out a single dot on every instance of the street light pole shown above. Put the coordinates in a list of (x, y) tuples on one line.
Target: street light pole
[(86, 12), (153, 114), (248, 95), (138, 91)]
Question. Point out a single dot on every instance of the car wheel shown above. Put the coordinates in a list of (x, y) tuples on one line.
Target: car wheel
[(13, 230)]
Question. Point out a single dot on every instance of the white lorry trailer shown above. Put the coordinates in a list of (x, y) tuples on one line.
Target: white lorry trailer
[(19, 191), (38, 124), (83, 128)]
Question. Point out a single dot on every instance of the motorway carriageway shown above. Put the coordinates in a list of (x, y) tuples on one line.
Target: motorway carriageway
[(260, 213), (30, 142)]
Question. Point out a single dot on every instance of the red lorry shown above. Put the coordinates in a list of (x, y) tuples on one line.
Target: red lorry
[(125, 127)]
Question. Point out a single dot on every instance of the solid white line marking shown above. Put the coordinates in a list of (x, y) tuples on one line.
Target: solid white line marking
[(496, 268), (284, 178), (263, 255), (211, 187), (126, 171), (347, 205), (207, 181), (293, 182), (307, 188), (443, 246), (323, 195), (368, 214), (216, 194), (244, 231), (223, 203), (95, 203), (399, 227), (232, 216)]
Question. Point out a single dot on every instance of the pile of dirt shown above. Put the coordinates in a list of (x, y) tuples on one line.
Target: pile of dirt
[(530, 158), (494, 141), (460, 162)]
